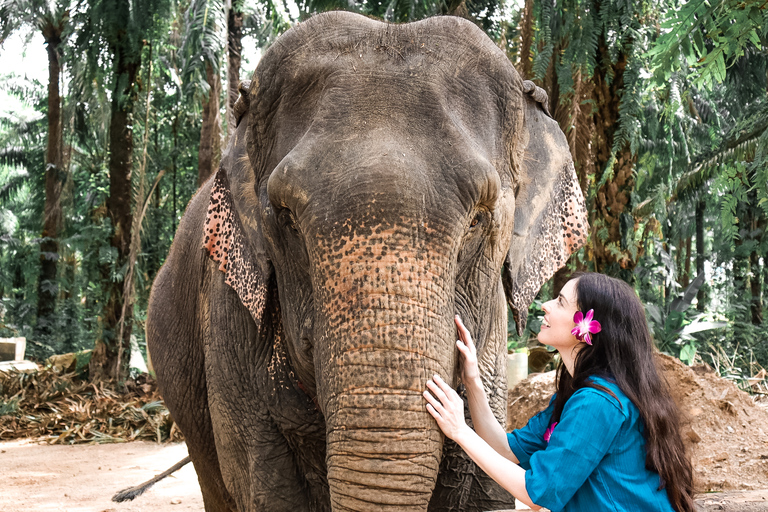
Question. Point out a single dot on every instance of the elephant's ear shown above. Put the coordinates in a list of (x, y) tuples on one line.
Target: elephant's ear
[(243, 101), (550, 216), (232, 243)]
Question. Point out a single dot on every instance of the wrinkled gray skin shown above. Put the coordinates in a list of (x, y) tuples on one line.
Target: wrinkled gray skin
[(384, 178)]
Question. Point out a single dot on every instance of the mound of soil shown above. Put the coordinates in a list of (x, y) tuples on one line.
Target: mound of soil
[(725, 431)]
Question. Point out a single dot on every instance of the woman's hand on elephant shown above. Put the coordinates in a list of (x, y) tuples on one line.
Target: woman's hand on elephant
[(466, 346), (446, 406)]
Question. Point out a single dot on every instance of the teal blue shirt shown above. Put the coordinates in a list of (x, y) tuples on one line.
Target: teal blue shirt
[(595, 458)]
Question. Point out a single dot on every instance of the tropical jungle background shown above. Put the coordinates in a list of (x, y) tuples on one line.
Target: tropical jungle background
[(664, 104)]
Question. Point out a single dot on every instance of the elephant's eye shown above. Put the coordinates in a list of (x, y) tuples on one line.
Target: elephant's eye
[(288, 220), (476, 220)]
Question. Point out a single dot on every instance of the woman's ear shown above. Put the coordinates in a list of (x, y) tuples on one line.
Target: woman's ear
[(550, 216)]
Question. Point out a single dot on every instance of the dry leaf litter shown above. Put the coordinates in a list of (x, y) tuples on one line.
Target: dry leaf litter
[(64, 409)]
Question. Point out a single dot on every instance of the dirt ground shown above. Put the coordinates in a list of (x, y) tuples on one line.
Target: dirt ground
[(83, 478), (38, 477)]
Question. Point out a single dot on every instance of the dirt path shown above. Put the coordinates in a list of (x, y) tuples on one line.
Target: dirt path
[(83, 478)]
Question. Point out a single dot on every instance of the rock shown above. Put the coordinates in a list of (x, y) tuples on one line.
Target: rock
[(693, 436)]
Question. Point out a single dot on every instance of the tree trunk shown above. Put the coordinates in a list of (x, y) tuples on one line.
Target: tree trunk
[(174, 157), (686, 279), (755, 286), (47, 289), (18, 284), (526, 40), (234, 51), (105, 355), (210, 133), (740, 273), (700, 295), (756, 224), (456, 8), (70, 273), (612, 221)]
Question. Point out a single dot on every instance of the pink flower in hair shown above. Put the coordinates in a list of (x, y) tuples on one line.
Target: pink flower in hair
[(585, 326), (548, 433)]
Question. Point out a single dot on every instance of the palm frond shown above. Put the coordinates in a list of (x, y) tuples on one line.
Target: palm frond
[(13, 184), (739, 146), (203, 44)]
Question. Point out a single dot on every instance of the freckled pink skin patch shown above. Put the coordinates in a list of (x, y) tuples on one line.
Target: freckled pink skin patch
[(224, 242)]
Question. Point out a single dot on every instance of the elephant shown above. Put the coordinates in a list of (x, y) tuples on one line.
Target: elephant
[(382, 178)]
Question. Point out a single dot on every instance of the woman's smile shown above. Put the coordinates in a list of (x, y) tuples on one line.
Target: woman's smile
[(557, 323)]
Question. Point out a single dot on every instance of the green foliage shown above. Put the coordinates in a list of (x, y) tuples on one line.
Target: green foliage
[(672, 328), (707, 36), (533, 323), (532, 327), (22, 148), (203, 44)]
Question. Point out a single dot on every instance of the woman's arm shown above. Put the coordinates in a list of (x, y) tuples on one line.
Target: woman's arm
[(447, 407), (486, 425), (505, 472)]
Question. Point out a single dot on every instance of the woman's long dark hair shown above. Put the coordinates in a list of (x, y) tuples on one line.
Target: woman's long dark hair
[(623, 352)]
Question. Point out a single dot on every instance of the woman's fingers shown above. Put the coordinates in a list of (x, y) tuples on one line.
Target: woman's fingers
[(445, 406), (450, 397), (442, 396), (436, 386), (464, 334), (432, 401), (444, 387)]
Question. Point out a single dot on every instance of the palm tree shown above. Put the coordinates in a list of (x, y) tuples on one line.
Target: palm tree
[(123, 27), (203, 47), (51, 18), (714, 133), (234, 52)]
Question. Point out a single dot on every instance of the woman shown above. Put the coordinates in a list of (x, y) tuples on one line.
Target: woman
[(609, 439)]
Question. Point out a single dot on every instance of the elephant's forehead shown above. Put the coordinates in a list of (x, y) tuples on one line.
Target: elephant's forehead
[(350, 96), (337, 40), (400, 92)]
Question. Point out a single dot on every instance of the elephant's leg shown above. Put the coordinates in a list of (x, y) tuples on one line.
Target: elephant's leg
[(189, 393), (187, 400), (463, 487), (175, 341), (461, 484), (258, 465)]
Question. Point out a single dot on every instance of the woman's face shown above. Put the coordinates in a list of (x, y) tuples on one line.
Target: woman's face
[(558, 319)]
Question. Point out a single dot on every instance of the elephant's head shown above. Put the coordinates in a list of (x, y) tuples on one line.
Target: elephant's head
[(395, 176)]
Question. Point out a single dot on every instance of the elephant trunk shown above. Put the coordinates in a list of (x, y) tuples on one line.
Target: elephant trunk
[(383, 327), (383, 447), (382, 465)]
